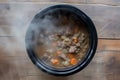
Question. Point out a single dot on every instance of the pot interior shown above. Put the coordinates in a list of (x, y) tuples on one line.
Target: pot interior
[(59, 38)]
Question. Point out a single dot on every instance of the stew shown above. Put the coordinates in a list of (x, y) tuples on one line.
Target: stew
[(62, 41)]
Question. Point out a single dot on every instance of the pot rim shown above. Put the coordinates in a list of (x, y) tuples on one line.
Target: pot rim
[(91, 51)]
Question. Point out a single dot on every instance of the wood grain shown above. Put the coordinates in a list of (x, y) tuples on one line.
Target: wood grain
[(15, 65), (16, 17), (57, 1), (104, 2), (114, 45)]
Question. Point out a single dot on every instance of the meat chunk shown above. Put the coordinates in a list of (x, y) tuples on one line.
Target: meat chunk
[(78, 44), (63, 56), (61, 44), (72, 49), (82, 37)]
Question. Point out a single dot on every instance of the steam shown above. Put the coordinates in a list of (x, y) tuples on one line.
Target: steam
[(16, 20), (36, 30), (19, 20), (42, 28)]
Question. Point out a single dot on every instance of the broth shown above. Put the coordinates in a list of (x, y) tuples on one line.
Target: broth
[(60, 39)]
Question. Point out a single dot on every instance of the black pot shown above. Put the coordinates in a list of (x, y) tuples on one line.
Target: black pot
[(89, 55)]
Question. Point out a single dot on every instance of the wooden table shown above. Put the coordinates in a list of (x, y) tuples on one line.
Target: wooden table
[(15, 16)]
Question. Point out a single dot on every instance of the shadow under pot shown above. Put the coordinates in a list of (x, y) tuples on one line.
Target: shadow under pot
[(61, 40)]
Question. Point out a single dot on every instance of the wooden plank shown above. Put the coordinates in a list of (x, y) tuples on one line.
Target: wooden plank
[(105, 66), (12, 47), (16, 65), (16, 17), (113, 45), (34, 1), (104, 2), (13, 68)]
